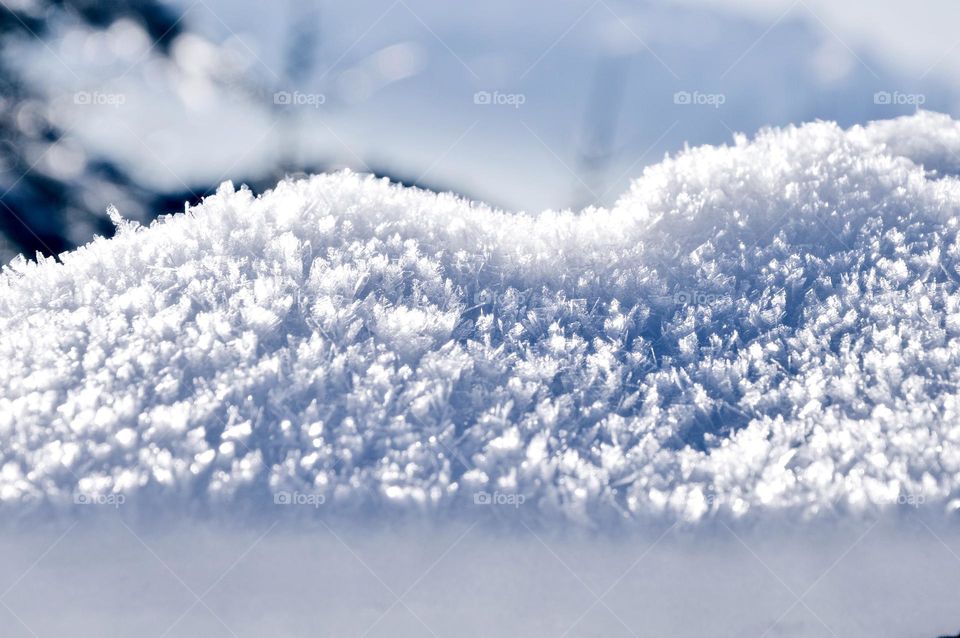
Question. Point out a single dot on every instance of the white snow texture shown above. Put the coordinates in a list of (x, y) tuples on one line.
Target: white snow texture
[(772, 326)]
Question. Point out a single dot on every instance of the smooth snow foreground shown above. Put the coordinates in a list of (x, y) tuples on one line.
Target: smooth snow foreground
[(772, 326), (104, 579)]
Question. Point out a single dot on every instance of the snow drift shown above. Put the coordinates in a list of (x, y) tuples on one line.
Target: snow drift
[(769, 326)]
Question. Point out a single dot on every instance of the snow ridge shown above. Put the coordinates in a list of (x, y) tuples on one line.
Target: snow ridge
[(768, 326)]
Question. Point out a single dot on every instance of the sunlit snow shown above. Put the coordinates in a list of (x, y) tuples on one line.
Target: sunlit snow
[(769, 326)]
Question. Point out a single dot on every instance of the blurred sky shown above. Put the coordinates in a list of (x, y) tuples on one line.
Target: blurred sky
[(582, 94)]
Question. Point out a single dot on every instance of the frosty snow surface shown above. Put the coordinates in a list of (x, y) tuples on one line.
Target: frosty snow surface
[(772, 326)]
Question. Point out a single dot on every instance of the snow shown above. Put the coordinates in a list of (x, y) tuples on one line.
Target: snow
[(767, 327), (108, 579)]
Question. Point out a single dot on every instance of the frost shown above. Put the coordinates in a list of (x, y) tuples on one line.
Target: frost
[(769, 326)]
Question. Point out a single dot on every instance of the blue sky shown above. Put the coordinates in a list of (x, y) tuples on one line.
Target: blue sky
[(583, 94)]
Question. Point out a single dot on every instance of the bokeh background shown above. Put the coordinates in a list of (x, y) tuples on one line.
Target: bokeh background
[(148, 104)]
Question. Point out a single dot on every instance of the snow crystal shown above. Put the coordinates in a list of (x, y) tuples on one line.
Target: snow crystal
[(769, 326)]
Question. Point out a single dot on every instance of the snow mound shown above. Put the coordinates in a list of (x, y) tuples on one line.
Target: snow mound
[(769, 326)]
